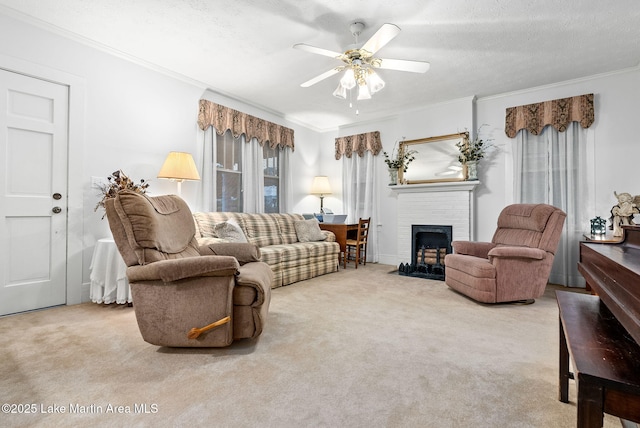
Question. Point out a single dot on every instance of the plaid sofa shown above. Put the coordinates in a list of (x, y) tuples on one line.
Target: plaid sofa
[(291, 261)]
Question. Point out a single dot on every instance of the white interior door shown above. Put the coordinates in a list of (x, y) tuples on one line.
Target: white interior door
[(33, 185)]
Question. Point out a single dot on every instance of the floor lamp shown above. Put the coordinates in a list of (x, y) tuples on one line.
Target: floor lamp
[(179, 166)]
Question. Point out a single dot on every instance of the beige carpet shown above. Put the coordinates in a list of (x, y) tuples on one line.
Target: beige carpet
[(357, 348)]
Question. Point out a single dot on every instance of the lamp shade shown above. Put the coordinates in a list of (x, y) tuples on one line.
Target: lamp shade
[(340, 92), (375, 82), (348, 79), (320, 185), (363, 92), (179, 166)]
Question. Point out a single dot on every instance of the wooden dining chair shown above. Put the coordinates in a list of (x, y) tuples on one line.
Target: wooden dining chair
[(356, 249)]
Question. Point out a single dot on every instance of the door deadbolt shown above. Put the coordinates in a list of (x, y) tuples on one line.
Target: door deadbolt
[(57, 196), (56, 210)]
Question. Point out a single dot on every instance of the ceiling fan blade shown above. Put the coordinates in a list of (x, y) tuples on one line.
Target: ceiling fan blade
[(319, 51), (384, 35), (404, 65), (322, 76)]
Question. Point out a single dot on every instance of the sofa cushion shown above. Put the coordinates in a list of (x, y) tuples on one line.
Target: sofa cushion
[(262, 229), (287, 227), (320, 248), (293, 252), (230, 231), (206, 221), (309, 230), (473, 266), (272, 254)]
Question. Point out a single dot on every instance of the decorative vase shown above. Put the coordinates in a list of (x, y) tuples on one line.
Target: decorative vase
[(472, 170), (393, 176)]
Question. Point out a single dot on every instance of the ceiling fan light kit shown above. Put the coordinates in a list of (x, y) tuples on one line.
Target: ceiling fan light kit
[(360, 63), (375, 82), (340, 92), (348, 80), (364, 93)]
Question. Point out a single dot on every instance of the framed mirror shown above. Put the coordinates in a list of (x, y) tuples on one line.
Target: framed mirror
[(436, 159)]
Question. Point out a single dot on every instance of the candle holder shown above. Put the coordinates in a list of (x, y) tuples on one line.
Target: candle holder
[(598, 226)]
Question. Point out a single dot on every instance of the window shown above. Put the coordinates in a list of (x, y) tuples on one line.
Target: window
[(262, 165), (229, 173), (271, 169)]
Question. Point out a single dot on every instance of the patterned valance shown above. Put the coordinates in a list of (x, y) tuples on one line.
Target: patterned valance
[(557, 113), (358, 144), (224, 118)]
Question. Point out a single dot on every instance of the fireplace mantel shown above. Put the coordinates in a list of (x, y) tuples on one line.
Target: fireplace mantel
[(445, 186), (449, 203)]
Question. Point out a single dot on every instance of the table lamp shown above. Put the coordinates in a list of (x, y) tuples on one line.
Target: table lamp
[(179, 166), (321, 187)]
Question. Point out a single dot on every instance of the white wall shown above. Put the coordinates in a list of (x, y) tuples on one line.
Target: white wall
[(430, 121), (613, 144), (133, 116), (615, 151)]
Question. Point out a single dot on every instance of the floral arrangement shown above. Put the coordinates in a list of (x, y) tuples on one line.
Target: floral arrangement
[(473, 150), (116, 182), (399, 159)]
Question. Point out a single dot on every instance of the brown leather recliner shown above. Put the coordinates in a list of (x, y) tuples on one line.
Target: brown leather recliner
[(516, 264), (185, 295)]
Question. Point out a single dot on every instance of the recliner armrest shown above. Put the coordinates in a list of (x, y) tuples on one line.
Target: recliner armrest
[(472, 248), (258, 276), (173, 270), (243, 252), (518, 252)]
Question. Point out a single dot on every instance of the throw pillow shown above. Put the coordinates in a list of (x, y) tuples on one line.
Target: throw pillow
[(309, 230), (230, 231)]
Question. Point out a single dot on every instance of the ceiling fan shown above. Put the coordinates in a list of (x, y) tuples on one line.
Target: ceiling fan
[(361, 62)]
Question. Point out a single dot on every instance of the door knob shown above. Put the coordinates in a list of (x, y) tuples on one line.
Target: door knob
[(56, 210), (57, 196)]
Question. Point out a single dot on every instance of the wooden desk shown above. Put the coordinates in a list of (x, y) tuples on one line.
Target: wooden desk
[(606, 360), (342, 231)]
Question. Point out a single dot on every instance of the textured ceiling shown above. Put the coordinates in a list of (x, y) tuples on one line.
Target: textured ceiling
[(243, 49)]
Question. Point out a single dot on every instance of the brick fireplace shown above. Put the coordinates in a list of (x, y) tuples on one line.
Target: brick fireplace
[(448, 204), (429, 244)]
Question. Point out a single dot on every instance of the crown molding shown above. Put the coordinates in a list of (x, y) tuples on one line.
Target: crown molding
[(633, 69), (28, 19)]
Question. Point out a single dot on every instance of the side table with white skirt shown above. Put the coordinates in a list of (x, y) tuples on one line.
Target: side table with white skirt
[(109, 282)]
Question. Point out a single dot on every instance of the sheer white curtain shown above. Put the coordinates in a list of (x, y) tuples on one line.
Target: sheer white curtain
[(206, 200), (285, 199), (360, 198), (551, 168), (252, 176)]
